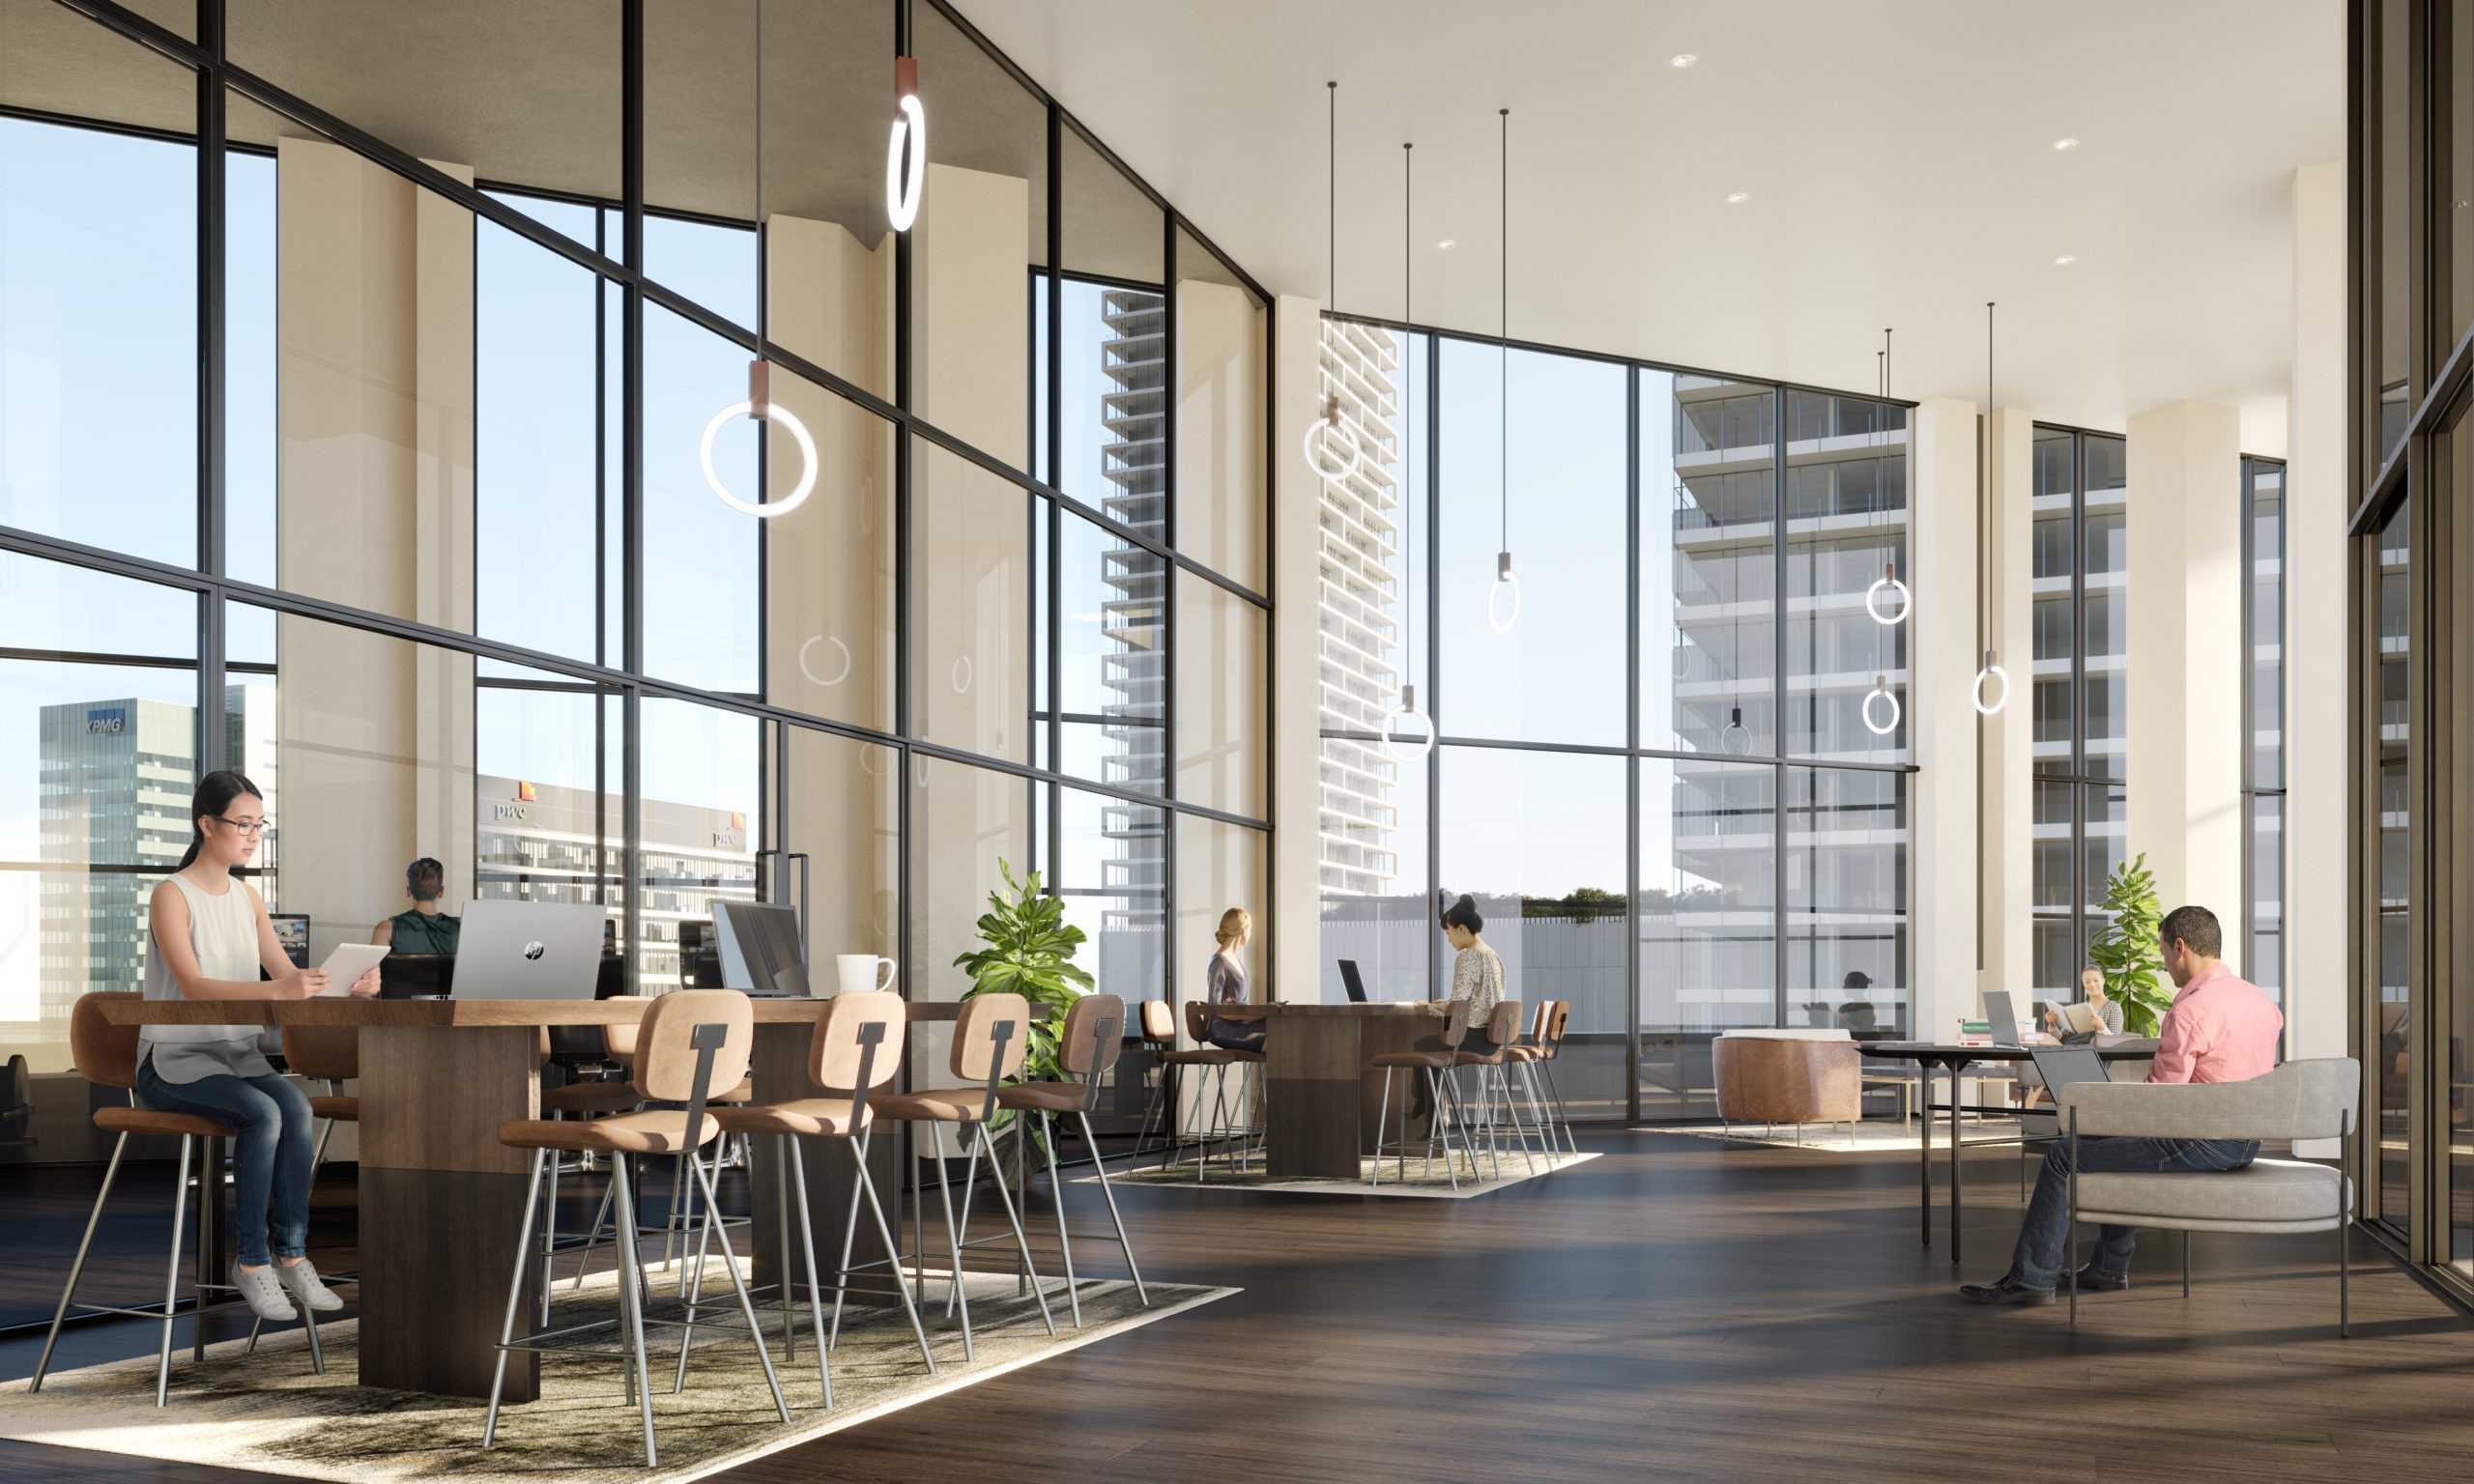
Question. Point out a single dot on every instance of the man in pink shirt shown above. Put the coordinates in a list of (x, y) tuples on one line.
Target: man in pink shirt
[(2220, 1029)]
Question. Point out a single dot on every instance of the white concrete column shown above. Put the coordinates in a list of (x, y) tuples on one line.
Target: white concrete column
[(2315, 553), (2186, 728), (2008, 840), (1297, 907), (1941, 720)]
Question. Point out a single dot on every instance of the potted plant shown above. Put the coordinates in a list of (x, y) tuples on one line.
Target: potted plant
[(1030, 952), (2125, 950)]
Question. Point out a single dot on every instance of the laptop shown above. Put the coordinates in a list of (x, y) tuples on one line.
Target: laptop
[(528, 951), (2002, 1021), (2061, 1066), (1349, 980), (760, 949)]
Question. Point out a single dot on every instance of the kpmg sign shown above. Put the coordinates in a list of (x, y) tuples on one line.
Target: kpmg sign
[(106, 721)]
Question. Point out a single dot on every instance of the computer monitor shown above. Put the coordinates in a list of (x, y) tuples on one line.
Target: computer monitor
[(760, 948), (1349, 980), (528, 951), (292, 931), (2001, 1019), (415, 975)]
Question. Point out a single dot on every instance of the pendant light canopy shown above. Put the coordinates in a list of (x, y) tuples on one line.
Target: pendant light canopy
[(1331, 450), (1408, 706), (1991, 669), (1497, 618), (759, 406), (907, 152)]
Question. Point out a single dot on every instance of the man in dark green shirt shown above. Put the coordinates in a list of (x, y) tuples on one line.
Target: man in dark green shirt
[(424, 930)]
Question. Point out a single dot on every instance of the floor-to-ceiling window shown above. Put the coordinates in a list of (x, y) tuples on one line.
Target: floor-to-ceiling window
[(439, 546), (2080, 603), (1676, 784), (2264, 723)]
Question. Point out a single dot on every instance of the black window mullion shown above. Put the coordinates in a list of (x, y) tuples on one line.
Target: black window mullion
[(1778, 703), (631, 455)]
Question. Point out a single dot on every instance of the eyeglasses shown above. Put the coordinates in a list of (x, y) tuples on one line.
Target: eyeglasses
[(249, 826)]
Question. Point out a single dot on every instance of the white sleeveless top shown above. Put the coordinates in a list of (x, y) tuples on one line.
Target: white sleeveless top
[(223, 934)]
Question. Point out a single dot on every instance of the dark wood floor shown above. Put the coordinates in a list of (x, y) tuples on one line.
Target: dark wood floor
[(1679, 1309)]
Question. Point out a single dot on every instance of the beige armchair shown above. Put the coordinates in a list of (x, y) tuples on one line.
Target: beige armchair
[(1772, 1079), (2305, 1099)]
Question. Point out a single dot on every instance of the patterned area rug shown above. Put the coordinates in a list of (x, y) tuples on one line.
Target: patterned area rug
[(1479, 1177), (266, 1411), (1870, 1137)]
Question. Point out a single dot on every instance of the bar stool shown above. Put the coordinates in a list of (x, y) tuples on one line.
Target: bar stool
[(1085, 1048), (691, 1039), (1501, 1030), (857, 1045), (1538, 1078), (990, 1037), (1156, 1025), (106, 1055), (1436, 1064), (1198, 1014)]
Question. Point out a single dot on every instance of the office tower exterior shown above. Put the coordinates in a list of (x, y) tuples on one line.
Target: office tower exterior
[(1360, 616), (1134, 459)]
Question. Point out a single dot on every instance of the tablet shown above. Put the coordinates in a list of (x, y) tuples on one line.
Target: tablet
[(347, 963)]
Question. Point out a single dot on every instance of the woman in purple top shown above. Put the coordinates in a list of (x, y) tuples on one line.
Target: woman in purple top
[(1230, 985)]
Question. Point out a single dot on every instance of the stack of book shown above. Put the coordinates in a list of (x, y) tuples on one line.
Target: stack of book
[(1975, 1033)]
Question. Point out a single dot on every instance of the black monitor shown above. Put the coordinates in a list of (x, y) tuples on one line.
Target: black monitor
[(1349, 980), (292, 931), (760, 948), (415, 975)]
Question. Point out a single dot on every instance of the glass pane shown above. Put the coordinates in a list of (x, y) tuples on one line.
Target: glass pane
[(526, 95), (2267, 624), (699, 150), (1376, 909), (1546, 679), (1112, 659), (98, 758), (1221, 376), (549, 814), (1708, 564), (1219, 867), (2104, 620), (1708, 896), (965, 823), (844, 801), (829, 563), (1112, 860), (1846, 544), (2056, 887), (2105, 825), (700, 556), (971, 593), (1847, 905), (1112, 381), (1533, 837), (1222, 644), (2390, 220), (2393, 803), (703, 819), (2265, 966), (1109, 228), (97, 290), (2452, 142)]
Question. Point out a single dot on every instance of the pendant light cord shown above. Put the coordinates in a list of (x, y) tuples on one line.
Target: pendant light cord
[(1503, 334), (1408, 433), (760, 163), (1332, 194)]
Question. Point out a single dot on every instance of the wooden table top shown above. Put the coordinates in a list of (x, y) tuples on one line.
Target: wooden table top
[(449, 1013), (1280, 1010)]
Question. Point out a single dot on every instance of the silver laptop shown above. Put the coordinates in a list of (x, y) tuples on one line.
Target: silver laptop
[(528, 951), (2001, 1018), (2061, 1066)]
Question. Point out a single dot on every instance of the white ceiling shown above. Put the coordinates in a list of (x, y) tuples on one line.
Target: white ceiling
[(1898, 155)]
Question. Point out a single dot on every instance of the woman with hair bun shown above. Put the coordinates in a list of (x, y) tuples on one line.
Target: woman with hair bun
[(1477, 974)]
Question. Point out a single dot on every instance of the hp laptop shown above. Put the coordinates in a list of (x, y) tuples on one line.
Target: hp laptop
[(1349, 980), (2003, 1020), (528, 951)]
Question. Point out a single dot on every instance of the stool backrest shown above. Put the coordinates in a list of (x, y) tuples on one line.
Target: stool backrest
[(1159, 1023), (990, 1037), (1456, 1024), (1559, 1011), (1503, 1024), (323, 1053), (103, 1053), (1197, 1020), (666, 1064), (840, 1047), (1537, 1031), (619, 1040), (1094, 1034)]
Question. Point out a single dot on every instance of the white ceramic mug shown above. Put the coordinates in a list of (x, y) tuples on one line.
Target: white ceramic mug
[(858, 973)]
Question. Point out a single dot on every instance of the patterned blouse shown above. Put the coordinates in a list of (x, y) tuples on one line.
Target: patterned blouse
[(1477, 977)]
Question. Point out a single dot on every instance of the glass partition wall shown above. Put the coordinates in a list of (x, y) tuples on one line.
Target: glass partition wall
[(1658, 781), (427, 530)]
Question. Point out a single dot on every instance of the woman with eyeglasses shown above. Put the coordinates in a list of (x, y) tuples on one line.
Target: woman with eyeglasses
[(209, 938)]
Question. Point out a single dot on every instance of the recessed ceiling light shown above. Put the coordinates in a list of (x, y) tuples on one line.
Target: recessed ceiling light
[(1681, 60), (2065, 144), (1737, 197), (1449, 243), (2065, 260)]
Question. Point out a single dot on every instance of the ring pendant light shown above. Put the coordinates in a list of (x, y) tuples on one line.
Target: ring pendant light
[(1991, 669), (1888, 579), (906, 151), (759, 406), (1497, 619), (1408, 706), (1881, 691), (1321, 434)]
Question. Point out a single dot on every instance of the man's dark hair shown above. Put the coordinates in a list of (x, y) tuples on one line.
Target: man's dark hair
[(426, 879), (2198, 929)]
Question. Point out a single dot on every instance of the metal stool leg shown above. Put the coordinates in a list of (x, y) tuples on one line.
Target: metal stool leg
[(798, 1173), (631, 1301), (1383, 1116), (714, 1228), (77, 1265), (172, 1276), (1056, 1193), (876, 1207), (1021, 1243), (1109, 1196), (516, 1301)]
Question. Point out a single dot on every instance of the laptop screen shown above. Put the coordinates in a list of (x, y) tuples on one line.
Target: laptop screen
[(2003, 1020), (1349, 980), (2061, 1066)]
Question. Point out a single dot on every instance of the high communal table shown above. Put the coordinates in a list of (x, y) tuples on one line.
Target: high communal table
[(1928, 1055), (442, 1200), (1321, 1107)]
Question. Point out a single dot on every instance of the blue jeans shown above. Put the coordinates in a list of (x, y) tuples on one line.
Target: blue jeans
[(2037, 1260), (270, 1121)]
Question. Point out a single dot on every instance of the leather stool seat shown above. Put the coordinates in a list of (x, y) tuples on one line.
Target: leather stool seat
[(591, 1097), (344, 1109), (147, 1120), (624, 1133), (817, 1116)]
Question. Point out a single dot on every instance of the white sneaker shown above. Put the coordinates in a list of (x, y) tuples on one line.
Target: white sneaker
[(301, 1280), (261, 1290)]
